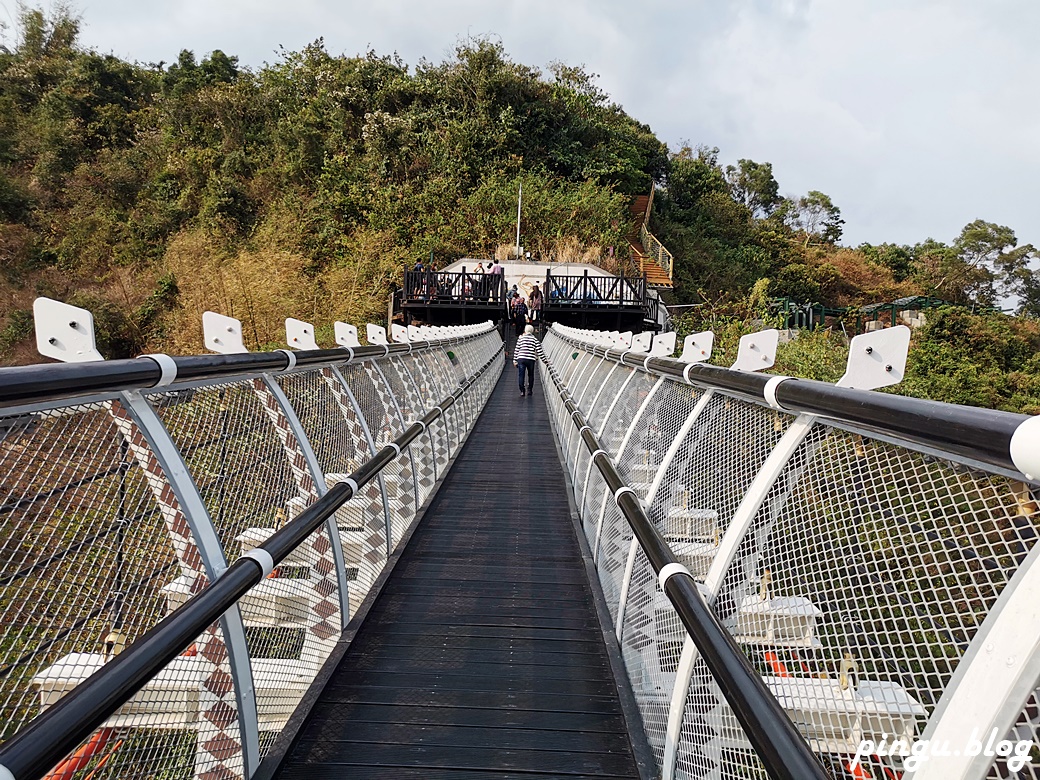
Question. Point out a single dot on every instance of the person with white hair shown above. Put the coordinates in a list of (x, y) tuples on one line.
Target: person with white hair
[(527, 350)]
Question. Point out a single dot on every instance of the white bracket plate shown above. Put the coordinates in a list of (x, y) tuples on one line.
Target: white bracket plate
[(757, 351), (399, 333), (299, 334), (877, 359), (376, 334), (663, 345), (625, 340), (697, 347), (414, 334), (222, 334), (346, 335), (64, 332), (641, 343)]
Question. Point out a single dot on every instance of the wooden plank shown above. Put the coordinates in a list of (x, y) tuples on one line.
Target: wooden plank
[(483, 656)]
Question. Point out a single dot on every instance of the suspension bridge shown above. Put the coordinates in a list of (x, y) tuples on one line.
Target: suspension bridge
[(379, 561)]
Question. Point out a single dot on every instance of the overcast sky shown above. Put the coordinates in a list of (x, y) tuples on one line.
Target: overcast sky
[(915, 117)]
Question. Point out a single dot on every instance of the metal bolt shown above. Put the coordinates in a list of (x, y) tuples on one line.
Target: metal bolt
[(230, 329), (870, 350), (73, 324), (888, 368), (52, 340)]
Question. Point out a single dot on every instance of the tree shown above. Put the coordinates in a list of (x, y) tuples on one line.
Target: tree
[(693, 174), (753, 185), (983, 264), (993, 249), (1029, 295), (186, 76), (818, 218), (898, 259)]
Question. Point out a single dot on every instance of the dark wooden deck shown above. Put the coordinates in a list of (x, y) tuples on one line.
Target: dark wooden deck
[(483, 656)]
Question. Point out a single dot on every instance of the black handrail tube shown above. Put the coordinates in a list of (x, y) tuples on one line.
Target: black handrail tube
[(377, 463), (204, 366), (52, 381), (34, 750), (784, 752), (291, 535), (58, 381), (745, 382), (982, 434)]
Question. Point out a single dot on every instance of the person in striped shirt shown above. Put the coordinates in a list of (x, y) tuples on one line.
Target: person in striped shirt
[(527, 350)]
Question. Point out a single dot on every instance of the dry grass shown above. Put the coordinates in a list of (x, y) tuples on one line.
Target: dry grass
[(567, 249), (257, 287), (263, 285), (861, 279)]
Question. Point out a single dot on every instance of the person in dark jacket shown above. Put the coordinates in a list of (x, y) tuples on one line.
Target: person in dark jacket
[(519, 312)]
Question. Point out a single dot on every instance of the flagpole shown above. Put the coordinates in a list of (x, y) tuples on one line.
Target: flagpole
[(519, 200)]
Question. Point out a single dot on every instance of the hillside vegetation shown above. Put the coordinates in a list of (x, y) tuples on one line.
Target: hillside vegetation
[(149, 193)]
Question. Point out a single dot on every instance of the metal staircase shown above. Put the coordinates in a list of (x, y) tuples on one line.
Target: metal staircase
[(653, 259)]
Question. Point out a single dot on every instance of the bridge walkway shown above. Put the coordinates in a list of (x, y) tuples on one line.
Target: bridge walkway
[(483, 655)]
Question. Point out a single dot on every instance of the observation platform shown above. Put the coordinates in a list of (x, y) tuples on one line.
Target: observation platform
[(483, 656), (575, 294)]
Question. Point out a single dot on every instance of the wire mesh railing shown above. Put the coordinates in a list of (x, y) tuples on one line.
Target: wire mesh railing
[(866, 552), (134, 501)]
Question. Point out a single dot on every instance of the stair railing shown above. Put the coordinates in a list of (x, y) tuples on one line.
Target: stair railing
[(656, 250)]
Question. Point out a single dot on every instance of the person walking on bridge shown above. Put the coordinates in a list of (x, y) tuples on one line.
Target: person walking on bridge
[(527, 350)]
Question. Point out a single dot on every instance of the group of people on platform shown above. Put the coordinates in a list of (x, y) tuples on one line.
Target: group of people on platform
[(478, 284), (523, 311)]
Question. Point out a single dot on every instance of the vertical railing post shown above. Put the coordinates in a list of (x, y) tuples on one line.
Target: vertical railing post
[(621, 448), (621, 391), (588, 383), (295, 429), (441, 424), (626, 583), (162, 463), (990, 687), (400, 416), (738, 527), (419, 394), (345, 393), (592, 406)]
